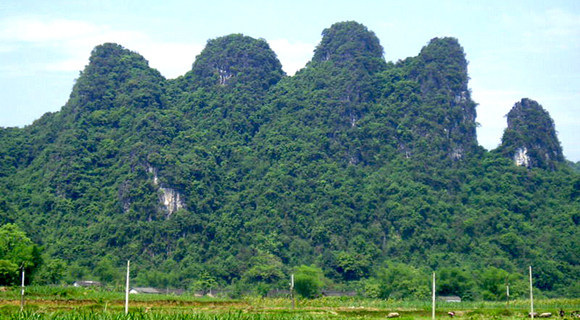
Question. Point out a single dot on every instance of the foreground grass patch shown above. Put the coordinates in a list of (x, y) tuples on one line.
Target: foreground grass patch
[(48, 303)]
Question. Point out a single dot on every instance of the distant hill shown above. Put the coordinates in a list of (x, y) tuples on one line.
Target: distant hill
[(530, 138), (235, 174)]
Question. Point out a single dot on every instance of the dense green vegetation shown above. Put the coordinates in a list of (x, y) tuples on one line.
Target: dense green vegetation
[(17, 254), (530, 129), (356, 173)]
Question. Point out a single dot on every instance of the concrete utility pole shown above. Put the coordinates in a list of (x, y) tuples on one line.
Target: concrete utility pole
[(22, 292), (531, 295), (507, 294), (292, 291), (433, 307), (127, 290)]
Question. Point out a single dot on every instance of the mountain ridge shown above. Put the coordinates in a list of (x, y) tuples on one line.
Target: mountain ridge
[(236, 170)]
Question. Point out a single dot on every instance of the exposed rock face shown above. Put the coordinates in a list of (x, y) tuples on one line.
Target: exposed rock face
[(521, 157), (170, 199), (530, 138)]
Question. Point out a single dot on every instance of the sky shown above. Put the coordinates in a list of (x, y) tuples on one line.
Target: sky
[(516, 49)]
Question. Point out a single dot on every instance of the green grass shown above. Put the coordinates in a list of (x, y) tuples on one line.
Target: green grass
[(141, 315), (83, 303)]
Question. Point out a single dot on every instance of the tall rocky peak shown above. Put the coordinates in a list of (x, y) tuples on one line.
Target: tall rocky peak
[(235, 60), (347, 42), (348, 56), (441, 72), (530, 138), (116, 77), (444, 67), (110, 57), (335, 89)]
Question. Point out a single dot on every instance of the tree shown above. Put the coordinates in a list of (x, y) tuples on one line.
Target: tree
[(106, 270), (205, 282), (454, 281), (51, 272), (267, 268), (400, 281), (308, 281), (16, 252), (493, 280), (8, 272), (352, 266)]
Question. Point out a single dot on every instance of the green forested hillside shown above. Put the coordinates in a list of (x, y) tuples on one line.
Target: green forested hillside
[(234, 175), (531, 136)]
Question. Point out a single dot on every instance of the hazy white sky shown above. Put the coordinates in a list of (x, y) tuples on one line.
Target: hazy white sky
[(516, 49)]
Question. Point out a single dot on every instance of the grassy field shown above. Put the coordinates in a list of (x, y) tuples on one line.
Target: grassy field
[(80, 303)]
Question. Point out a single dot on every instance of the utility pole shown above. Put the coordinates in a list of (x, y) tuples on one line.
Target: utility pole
[(22, 292), (433, 307), (507, 293), (127, 289), (531, 295), (292, 291)]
